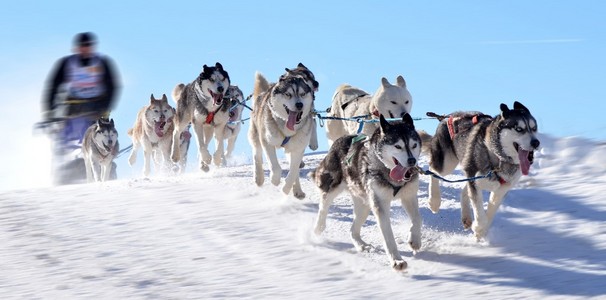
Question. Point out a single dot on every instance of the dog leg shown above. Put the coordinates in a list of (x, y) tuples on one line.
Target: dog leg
[(381, 208), (258, 165), (313, 142), (496, 198), (203, 154), (323, 207), (220, 143), (293, 176), (275, 170), (96, 168), (132, 158), (435, 198), (410, 203), (361, 212), (479, 225), (208, 136), (465, 209), (89, 170), (146, 161)]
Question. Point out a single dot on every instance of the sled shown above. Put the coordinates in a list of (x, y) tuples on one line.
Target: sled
[(66, 134)]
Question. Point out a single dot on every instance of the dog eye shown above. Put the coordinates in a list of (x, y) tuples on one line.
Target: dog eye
[(519, 129), (414, 146), (398, 147), (302, 94), (407, 102), (393, 102), (289, 95)]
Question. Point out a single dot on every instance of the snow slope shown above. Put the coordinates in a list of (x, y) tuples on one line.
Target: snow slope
[(218, 235)]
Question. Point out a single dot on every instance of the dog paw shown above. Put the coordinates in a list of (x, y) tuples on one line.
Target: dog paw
[(204, 167), (434, 205), (299, 195), (414, 243), (275, 179), (206, 157), (466, 222), (399, 265), (302, 165), (319, 229), (259, 180), (478, 230), (218, 159)]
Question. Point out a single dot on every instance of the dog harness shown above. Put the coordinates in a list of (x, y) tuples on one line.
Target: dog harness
[(211, 116), (453, 130)]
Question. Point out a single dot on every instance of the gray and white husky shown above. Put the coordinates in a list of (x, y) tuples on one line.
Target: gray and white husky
[(391, 101), (281, 118), (202, 104), (235, 97), (99, 148), (503, 145), (375, 171), (152, 131)]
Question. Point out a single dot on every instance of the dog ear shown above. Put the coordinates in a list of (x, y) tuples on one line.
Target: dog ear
[(401, 82), (300, 65), (151, 98), (504, 110), (407, 119), (205, 69), (164, 99), (111, 122), (519, 106), (385, 82), (219, 66), (384, 124)]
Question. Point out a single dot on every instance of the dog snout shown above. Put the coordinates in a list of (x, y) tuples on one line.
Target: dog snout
[(220, 89), (535, 143), (299, 105), (412, 161), (110, 142)]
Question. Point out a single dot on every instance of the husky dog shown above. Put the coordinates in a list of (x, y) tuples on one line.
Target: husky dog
[(201, 104), (391, 101), (302, 71), (281, 118), (153, 132), (231, 130), (99, 148), (375, 171), (503, 145)]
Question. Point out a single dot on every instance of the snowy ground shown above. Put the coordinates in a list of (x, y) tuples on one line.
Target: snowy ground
[(218, 235)]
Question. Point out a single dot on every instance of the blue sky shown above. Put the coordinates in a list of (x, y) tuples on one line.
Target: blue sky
[(454, 55)]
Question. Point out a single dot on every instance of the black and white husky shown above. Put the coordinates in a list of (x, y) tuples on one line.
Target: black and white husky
[(503, 145), (201, 104), (281, 118), (99, 148), (375, 171)]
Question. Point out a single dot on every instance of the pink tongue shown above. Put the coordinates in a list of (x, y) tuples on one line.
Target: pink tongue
[(524, 162), (158, 130), (397, 173), (292, 118)]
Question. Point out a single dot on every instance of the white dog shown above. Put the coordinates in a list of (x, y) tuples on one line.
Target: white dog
[(391, 101)]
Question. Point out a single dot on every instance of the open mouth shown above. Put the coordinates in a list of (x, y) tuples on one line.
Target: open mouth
[(293, 118), (400, 173), (526, 158), (159, 127), (217, 98), (108, 148)]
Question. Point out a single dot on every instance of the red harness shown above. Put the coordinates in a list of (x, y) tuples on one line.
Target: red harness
[(451, 127)]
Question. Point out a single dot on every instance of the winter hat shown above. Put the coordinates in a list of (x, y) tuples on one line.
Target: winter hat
[(85, 39)]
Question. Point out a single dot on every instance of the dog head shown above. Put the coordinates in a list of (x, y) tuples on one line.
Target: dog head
[(391, 101), (214, 81), (398, 147), (291, 100), (159, 114), (518, 134), (105, 135), (235, 96), (303, 72)]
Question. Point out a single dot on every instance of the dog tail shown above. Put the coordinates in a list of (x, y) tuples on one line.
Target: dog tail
[(425, 140), (261, 86), (176, 94)]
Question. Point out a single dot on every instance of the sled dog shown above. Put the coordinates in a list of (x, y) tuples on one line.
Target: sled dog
[(235, 97), (99, 148), (153, 132), (202, 104), (503, 145), (391, 101), (375, 171), (302, 71), (281, 118)]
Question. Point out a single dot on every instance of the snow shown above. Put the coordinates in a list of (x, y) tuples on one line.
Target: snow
[(218, 235)]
